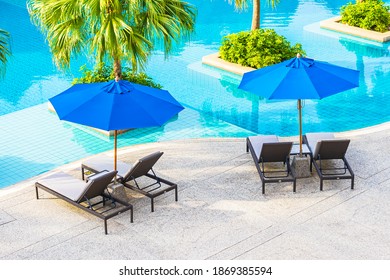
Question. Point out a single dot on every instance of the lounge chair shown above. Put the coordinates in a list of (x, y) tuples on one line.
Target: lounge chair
[(128, 175), (91, 196), (268, 149), (325, 147)]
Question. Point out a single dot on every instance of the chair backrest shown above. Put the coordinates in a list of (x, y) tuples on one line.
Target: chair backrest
[(97, 185), (331, 149), (275, 152), (142, 166)]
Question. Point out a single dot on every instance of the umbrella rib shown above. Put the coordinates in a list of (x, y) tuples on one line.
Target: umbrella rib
[(312, 84), (333, 76), (279, 85), (112, 111), (340, 77), (142, 107), (54, 98), (81, 108), (160, 97), (110, 114)]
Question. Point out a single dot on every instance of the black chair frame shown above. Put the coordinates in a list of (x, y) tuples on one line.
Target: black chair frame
[(267, 158), (90, 206), (144, 167), (152, 193), (337, 154)]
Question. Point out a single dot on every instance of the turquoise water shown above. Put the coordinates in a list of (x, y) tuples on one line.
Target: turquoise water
[(34, 140)]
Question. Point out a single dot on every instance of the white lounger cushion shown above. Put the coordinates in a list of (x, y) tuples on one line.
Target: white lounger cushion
[(314, 138), (103, 162), (65, 185), (258, 141)]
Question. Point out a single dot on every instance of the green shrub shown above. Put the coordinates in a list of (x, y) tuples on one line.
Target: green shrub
[(257, 48), (104, 73), (368, 14)]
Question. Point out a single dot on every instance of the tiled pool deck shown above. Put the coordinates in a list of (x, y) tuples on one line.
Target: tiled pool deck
[(221, 213)]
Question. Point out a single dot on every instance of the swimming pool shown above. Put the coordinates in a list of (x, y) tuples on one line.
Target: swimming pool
[(34, 141)]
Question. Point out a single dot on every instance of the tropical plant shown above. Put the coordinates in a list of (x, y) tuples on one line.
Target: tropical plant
[(367, 14), (5, 50), (111, 30), (258, 48), (243, 4), (104, 73)]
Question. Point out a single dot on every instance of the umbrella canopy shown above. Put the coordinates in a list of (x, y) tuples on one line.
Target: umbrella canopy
[(299, 78), (115, 105)]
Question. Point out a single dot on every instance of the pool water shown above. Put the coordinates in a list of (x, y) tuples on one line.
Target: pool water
[(299, 22), (34, 140)]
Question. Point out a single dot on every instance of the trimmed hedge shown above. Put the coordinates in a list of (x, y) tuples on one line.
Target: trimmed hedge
[(368, 14), (258, 48)]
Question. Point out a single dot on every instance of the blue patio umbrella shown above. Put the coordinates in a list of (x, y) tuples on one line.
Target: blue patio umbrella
[(299, 78), (115, 105)]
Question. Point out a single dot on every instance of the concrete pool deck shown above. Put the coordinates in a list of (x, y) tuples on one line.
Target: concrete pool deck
[(221, 213)]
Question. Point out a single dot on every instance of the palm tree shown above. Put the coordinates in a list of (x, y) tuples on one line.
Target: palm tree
[(5, 50), (111, 30), (243, 4)]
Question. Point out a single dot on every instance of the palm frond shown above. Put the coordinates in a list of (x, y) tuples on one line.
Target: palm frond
[(243, 4), (111, 29), (239, 4), (166, 20), (5, 50)]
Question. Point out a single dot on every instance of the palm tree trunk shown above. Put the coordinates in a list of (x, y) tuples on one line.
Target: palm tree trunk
[(256, 15), (117, 70)]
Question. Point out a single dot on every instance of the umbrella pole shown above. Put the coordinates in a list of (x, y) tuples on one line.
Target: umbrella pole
[(300, 126), (115, 155)]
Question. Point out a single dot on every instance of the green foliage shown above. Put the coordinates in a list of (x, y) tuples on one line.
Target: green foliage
[(367, 14), (258, 48), (5, 50), (112, 31), (104, 73)]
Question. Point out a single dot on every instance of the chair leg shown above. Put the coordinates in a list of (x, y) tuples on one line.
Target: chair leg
[(176, 195), (82, 173), (263, 187), (36, 192), (321, 184), (352, 182), (152, 204), (294, 186), (105, 227)]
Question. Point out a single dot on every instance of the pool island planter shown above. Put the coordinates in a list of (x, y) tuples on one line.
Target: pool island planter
[(335, 24), (216, 61)]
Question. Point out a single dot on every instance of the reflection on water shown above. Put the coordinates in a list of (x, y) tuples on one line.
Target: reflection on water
[(360, 49)]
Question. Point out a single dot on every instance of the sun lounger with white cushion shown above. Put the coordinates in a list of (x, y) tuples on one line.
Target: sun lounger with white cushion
[(92, 196), (267, 149), (128, 174), (325, 148)]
